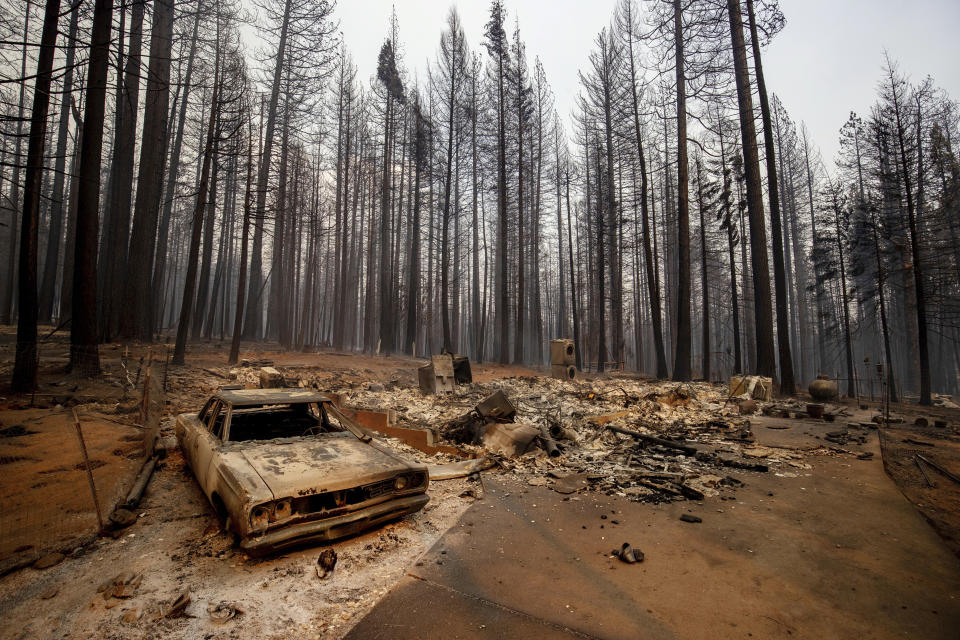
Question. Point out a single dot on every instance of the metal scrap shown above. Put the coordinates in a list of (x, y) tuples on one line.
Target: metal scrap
[(938, 468), (223, 612), (459, 469)]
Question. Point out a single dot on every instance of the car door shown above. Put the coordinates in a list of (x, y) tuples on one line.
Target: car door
[(208, 443), (188, 427)]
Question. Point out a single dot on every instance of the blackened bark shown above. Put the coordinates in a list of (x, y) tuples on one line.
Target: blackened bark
[(25, 361), (787, 385), (656, 313), (136, 320), (601, 296), (448, 184), (386, 313), (116, 231), (84, 351), (844, 298), (251, 326), (475, 293), (763, 309), (704, 279), (189, 285), (681, 365), (170, 185), (6, 312), (573, 282), (52, 259)]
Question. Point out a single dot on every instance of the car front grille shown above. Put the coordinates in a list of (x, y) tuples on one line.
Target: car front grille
[(378, 489), (333, 500)]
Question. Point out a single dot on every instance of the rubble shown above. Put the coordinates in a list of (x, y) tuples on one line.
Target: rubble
[(459, 469), (510, 439), (270, 378), (756, 387), (326, 563), (223, 612), (443, 372), (177, 608), (645, 440), (121, 586), (628, 554)]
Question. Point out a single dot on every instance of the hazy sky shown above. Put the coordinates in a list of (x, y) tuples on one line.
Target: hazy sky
[(825, 63)]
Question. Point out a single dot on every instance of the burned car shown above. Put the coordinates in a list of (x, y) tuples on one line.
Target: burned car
[(285, 467)]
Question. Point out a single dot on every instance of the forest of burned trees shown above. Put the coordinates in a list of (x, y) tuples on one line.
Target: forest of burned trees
[(162, 177)]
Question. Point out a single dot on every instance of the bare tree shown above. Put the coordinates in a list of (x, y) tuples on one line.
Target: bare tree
[(25, 363), (84, 350), (766, 358)]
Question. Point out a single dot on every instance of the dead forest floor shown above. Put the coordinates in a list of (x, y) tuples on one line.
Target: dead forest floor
[(803, 533)]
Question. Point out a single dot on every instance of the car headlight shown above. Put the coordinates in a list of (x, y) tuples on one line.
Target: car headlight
[(281, 510), (260, 516), (417, 479), (400, 483)]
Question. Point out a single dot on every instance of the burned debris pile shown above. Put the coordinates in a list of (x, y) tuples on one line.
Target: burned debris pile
[(648, 441)]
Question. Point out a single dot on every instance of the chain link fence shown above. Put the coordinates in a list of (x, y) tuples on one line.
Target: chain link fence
[(66, 469)]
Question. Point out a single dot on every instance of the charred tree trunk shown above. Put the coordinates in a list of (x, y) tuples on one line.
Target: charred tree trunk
[(116, 232), (573, 281), (845, 299), (25, 361), (52, 259), (6, 312), (704, 279), (653, 287), (766, 357), (170, 184), (251, 326), (84, 352), (137, 317), (681, 365), (787, 385), (189, 285)]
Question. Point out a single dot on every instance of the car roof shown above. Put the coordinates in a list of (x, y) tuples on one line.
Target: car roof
[(246, 397)]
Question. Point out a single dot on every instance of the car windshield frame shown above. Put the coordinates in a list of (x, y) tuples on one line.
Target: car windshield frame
[(314, 409)]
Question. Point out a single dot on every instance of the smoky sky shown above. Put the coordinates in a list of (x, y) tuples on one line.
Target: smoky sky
[(826, 62)]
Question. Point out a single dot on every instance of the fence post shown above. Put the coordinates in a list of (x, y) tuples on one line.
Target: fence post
[(86, 463)]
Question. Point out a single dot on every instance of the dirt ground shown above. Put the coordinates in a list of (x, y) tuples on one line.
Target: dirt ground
[(934, 494), (177, 545), (45, 491)]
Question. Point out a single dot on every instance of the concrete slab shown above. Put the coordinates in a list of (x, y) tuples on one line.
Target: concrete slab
[(833, 552)]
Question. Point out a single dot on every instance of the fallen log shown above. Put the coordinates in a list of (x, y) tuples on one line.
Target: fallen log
[(140, 485), (670, 444), (745, 466)]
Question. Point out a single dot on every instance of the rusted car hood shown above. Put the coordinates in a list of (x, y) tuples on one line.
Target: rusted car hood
[(292, 467)]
